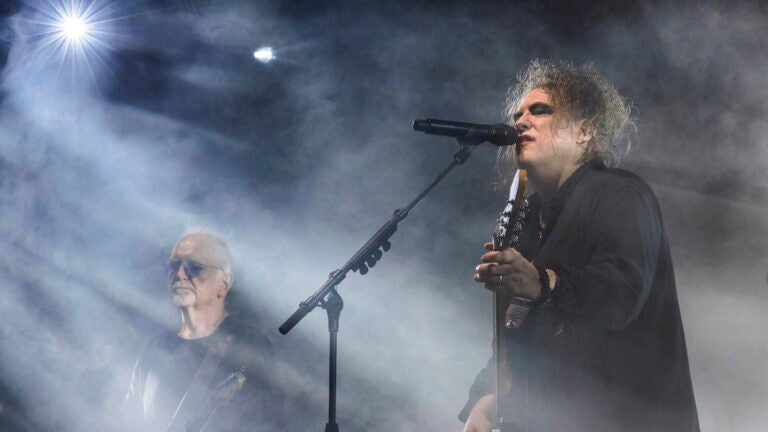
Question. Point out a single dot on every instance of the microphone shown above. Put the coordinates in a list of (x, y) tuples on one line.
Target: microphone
[(469, 133)]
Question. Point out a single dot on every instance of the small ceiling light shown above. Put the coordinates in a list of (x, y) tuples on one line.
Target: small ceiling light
[(264, 55)]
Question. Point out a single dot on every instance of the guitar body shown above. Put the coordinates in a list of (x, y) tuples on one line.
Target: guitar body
[(222, 394), (507, 312)]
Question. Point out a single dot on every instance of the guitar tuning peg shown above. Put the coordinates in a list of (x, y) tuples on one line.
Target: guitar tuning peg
[(363, 269), (377, 254), (386, 245), (371, 261)]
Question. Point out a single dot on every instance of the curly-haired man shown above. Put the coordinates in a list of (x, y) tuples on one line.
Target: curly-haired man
[(602, 348)]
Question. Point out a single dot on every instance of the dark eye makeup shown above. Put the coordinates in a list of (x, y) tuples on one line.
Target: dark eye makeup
[(538, 108)]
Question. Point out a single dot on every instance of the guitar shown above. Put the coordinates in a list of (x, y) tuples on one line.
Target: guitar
[(222, 394), (508, 312)]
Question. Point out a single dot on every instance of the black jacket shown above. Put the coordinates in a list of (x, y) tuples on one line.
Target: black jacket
[(607, 351)]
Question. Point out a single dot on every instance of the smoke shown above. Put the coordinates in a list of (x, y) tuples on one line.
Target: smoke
[(298, 162)]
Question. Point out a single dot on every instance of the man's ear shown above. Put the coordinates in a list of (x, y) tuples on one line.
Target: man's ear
[(586, 131), (226, 284)]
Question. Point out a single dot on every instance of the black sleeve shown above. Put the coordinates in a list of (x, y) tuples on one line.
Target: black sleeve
[(622, 245)]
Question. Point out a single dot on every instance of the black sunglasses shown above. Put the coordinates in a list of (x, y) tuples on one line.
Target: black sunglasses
[(192, 268)]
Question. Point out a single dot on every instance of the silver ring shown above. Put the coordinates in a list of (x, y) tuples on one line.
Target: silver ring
[(498, 282)]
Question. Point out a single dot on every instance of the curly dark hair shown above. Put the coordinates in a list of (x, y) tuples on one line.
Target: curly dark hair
[(581, 93)]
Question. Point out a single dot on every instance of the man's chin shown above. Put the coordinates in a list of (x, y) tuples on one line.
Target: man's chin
[(183, 298)]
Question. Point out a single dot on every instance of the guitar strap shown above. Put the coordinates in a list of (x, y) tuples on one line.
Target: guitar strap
[(198, 389)]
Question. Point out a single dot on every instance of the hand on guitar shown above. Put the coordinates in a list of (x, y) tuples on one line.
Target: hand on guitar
[(508, 272), (479, 417)]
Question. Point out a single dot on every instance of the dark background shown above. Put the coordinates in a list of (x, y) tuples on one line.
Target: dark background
[(166, 123)]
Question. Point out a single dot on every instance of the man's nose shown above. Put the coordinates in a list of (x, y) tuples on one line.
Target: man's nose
[(180, 273), (522, 124)]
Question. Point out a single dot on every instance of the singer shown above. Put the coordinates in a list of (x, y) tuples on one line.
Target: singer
[(602, 348)]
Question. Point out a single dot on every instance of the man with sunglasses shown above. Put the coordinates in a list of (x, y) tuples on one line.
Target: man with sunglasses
[(192, 376)]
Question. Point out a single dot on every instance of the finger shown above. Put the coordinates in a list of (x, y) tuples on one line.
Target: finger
[(496, 269), (504, 285), (488, 246), (487, 278), (502, 257), (491, 282), (485, 267), (489, 256), (512, 255), (497, 283)]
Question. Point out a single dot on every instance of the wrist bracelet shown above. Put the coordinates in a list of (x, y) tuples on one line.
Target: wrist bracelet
[(544, 283)]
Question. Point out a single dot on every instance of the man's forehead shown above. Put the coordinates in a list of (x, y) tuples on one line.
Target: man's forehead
[(199, 247), (186, 246), (535, 95)]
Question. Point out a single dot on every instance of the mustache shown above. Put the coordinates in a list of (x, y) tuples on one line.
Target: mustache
[(181, 285)]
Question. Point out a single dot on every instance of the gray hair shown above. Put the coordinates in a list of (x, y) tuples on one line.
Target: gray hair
[(582, 94)]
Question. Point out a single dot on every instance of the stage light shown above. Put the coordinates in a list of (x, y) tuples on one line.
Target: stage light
[(75, 24), (73, 38), (264, 55), (74, 28)]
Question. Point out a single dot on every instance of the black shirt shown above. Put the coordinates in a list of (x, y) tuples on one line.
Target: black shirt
[(607, 351), (166, 367)]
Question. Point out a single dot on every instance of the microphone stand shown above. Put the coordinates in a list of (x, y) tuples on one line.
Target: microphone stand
[(366, 257), (332, 305)]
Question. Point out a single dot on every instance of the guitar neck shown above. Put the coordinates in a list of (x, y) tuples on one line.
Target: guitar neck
[(508, 234), (503, 382)]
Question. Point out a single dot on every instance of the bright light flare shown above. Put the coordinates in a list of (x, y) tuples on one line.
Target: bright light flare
[(73, 28), (75, 25), (76, 32), (264, 55)]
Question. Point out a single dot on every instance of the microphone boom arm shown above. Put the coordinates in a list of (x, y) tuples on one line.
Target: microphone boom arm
[(372, 251)]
